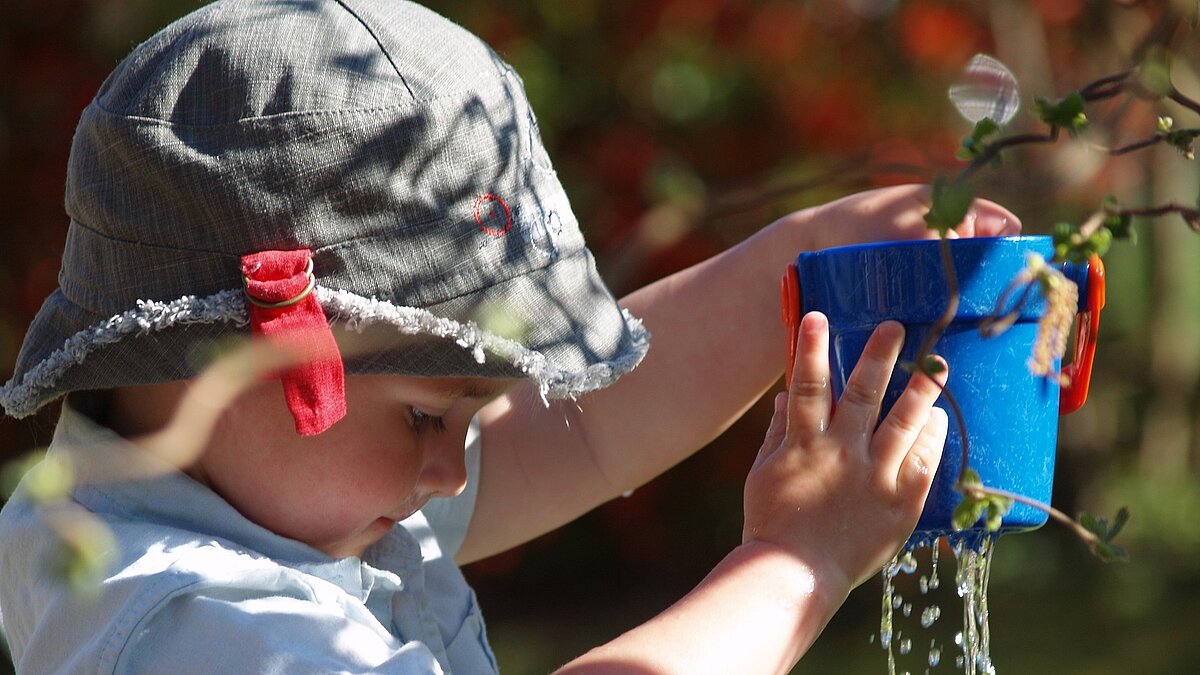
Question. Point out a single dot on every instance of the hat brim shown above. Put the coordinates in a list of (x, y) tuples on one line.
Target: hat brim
[(558, 326)]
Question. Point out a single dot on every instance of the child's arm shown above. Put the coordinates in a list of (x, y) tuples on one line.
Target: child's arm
[(717, 344), (827, 502)]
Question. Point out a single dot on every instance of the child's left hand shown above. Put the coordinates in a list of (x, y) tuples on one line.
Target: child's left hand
[(892, 213)]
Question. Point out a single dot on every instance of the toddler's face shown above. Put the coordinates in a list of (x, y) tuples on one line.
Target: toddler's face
[(400, 444)]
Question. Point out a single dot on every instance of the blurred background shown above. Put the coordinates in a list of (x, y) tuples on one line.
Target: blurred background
[(679, 128)]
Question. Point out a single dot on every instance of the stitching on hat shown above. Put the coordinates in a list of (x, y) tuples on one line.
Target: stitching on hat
[(24, 398), (453, 97), (379, 43)]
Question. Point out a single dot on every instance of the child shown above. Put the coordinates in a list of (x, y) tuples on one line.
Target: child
[(292, 169)]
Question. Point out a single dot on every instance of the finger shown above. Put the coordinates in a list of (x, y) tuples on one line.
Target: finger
[(919, 465), (989, 219), (809, 395), (858, 408), (907, 418)]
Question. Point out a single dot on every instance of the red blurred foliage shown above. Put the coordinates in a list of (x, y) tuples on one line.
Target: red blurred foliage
[(831, 116), (1057, 12), (777, 36), (938, 35)]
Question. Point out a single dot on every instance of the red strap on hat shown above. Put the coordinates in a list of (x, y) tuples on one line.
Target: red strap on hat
[(284, 310)]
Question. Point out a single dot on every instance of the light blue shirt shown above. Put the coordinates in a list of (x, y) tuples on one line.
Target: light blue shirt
[(198, 588)]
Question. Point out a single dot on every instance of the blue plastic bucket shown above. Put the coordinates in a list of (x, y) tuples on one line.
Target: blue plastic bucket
[(1011, 414)]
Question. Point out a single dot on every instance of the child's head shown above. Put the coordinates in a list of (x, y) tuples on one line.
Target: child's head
[(372, 166), (391, 144)]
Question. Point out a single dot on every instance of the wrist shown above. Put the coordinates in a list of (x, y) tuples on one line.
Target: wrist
[(799, 575)]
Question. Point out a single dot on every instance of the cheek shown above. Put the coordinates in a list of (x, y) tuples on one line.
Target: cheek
[(313, 489)]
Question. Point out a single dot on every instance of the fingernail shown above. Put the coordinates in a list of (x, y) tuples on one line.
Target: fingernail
[(814, 322)]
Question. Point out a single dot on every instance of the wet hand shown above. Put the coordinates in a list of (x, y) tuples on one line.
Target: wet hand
[(835, 489)]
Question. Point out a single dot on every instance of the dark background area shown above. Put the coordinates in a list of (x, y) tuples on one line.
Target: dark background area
[(680, 127)]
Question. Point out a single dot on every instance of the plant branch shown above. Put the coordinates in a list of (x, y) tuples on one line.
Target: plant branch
[(976, 491), (1178, 97), (992, 150), (1105, 87)]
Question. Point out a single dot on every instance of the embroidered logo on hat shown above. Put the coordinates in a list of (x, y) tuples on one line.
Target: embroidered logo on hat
[(493, 215)]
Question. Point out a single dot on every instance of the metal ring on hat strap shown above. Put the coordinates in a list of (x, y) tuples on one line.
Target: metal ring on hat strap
[(312, 282)]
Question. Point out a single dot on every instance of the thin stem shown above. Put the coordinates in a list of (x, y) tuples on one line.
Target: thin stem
[(1124, 149), (1105, 87), (935, 333), (993, 149), (1190, 215), (1184, 101), (943, 322), (977, 491)]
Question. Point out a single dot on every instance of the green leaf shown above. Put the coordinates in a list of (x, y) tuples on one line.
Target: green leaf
[(1105, 532), (1107, 552), (1119, 521), (1066, 113), (984, 128), (1183, 140), (995, 514), (933, 366), (968, 512), (949, 203)]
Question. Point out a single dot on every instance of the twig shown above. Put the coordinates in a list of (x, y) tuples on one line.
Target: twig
[(976, 491)]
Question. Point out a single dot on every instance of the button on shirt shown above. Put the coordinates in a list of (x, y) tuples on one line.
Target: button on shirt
[(198, 588)]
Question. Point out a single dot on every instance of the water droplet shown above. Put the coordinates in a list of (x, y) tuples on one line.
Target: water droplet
[(907, 610), (958, 662), (871, 639), (908, 563), (935, 656), (987, 89), (929, 615), (905, 646), (924, 583), (897, 600), (958, 638)]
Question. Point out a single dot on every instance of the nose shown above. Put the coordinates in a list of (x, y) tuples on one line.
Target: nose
[(444, 473)]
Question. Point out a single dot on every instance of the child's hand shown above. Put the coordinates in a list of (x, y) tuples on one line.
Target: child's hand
[(895, 213), (840, 493)]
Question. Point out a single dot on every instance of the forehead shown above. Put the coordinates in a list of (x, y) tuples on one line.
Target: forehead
[(449, 388), (468, 387)]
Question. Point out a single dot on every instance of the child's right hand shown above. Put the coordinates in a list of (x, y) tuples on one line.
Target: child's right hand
[(835, 490)]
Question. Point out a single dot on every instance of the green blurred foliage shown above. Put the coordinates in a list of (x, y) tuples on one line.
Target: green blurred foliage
[(680, 127)]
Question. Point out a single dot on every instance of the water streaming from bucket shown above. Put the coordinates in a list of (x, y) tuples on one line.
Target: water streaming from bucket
[(902, 634)]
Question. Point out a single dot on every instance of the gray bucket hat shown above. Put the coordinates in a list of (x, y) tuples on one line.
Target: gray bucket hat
[(389, 141)]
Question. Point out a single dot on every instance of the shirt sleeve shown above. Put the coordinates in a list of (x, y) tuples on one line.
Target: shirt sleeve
[(207, 633), (449, 517)]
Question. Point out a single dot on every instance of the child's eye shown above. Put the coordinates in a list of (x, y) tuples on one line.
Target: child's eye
[(422, 421)]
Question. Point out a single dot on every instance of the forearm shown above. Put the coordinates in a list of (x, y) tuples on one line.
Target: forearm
[(758, 611), (717, 344)]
